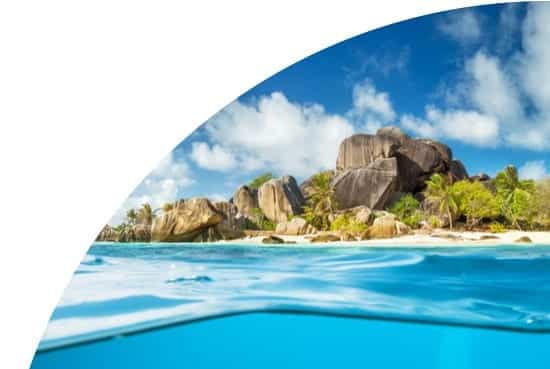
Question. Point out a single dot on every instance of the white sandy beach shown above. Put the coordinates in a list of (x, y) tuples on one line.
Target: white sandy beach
[(423, 240)]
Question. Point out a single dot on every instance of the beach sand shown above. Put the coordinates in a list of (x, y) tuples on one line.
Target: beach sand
[(423, 240)]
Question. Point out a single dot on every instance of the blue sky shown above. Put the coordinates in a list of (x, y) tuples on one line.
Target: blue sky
[(476, 79)]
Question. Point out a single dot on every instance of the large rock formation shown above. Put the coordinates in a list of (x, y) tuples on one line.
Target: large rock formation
[(246, 200), (107, 234), (280, 199), (359, 151), (187, 221), (371, 186), (233, 222), (373, 169)]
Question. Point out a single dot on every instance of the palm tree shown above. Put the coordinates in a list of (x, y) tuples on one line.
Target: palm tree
[(514, 193), (440, 190), (131, 216), (145, 214), (321, 202), (167, 207)]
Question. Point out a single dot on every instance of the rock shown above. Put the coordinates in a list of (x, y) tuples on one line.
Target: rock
[(280, 199), (458, 170), (361, 150), (480, 177), (273, 240), (188, 220), (372, 186), (364, 215), (524, 239), (246, 200), (325, 237), (107, 234), (346, 236), (447, 236), (417, 161), (142, 233), (485, 237), (386, 227), (233, 222), (393, 132), (295, 227)]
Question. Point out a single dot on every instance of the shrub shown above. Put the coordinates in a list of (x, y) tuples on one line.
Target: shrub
[(515, 197), (434, 222), (475, 202), (260, 180), (261, 221), (497, 228), (345, 223), (406, 210)]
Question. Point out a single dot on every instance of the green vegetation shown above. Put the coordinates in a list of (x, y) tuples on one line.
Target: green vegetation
[(261, 221), (260, 180), (542, 204), (497, 228), (131, 217), (346, 223), (145, 214), (321, 202), (440, 191), (475, 202), (515, 197), (407, 211)]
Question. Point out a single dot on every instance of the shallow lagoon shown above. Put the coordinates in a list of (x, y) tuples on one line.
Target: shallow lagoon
[(123, 289)]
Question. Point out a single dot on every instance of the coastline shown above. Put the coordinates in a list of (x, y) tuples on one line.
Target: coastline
[(417, 240)]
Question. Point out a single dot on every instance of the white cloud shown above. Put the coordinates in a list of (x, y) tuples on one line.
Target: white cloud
[(212, 158), (159, 187), (533, 170), (463, 26), (371, 109), (492, 91), (276, 134), (508, 25), (509, 97), (470, 127)]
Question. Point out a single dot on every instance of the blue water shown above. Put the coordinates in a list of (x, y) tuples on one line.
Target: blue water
[(231, 306)]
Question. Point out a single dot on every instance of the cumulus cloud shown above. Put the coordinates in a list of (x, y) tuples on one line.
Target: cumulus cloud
[(276, 134), (371, 108), (470, 127), (213, 157), (159, 187), (463, 26), (533, 170), (496, 96)]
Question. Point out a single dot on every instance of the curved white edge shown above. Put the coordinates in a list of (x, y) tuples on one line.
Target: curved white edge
[(94, 94)]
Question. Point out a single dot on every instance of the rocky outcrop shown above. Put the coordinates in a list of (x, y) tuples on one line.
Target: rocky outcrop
[(326, 237), (295, 227), (361, 150), (135, 233), (386, 226), (280, 199), (107, 234), (272, 240), (190, 220), (371, 186), (458, 171), (362, 156), (233, 222), (246, 200)]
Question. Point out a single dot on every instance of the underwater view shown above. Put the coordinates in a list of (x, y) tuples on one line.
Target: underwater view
[(363, 303)]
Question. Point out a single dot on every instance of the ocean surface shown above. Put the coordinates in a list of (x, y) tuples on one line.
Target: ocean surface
[(244, 306)]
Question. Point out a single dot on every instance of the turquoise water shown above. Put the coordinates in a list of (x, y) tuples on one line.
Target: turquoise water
[(231, 306)]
